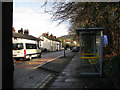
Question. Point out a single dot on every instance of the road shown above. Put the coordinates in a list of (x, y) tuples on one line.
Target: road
[(28, 75), (37, 62)]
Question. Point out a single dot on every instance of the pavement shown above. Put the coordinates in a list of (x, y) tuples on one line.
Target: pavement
[(69, 76)]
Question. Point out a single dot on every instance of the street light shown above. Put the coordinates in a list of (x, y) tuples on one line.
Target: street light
[(64, 48)]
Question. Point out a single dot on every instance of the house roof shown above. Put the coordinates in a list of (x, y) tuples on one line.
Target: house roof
[(30, 37), (50, 38), (68, 40)]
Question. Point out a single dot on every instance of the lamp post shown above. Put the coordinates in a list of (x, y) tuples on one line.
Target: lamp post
[(64, 48)]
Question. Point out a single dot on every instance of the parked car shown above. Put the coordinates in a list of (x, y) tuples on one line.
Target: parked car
[(78, 48), (68, 49), (75, 49)]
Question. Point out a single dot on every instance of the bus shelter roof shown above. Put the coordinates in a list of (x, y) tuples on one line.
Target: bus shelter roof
[(93, 30), (90, 29)]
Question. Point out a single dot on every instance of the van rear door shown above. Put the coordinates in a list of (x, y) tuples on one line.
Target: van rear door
[(18, 50)]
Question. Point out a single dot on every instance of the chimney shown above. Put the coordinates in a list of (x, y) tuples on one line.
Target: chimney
[(51, 35), (54, 37), (13, 30), (20, 31), (43, 34), (47, 34), (26, 32)]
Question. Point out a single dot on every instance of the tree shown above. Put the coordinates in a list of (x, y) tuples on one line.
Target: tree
[(90, 14)]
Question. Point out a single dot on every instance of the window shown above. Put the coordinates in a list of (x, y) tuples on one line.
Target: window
[(31, 46), (17, 46), (38, 47)]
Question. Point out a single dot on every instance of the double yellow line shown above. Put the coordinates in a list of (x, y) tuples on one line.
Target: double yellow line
[(44, 81)]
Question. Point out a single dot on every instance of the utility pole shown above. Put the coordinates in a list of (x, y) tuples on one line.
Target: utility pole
[(64, 51), (64, 48)]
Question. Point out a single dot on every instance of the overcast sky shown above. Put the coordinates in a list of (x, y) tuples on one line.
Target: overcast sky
[(29, 15)]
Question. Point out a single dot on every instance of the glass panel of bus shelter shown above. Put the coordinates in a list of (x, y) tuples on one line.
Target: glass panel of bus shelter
[(98, 51), (98, 45), (88, 43), (89, 53)]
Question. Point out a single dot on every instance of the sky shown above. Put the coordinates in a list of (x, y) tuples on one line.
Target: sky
[(28, 14)]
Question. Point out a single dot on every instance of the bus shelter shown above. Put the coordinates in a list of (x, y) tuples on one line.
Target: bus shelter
[(91, 54)]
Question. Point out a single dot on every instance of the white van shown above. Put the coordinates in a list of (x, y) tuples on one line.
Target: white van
[(25, 49)]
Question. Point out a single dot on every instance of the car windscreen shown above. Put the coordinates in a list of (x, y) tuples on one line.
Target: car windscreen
[(31, 46), (17, 46)]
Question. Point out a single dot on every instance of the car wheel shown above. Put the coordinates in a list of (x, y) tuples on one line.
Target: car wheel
[(39, 56), (30, 57)]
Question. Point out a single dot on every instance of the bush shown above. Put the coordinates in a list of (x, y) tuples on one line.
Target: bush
[(111, 70)]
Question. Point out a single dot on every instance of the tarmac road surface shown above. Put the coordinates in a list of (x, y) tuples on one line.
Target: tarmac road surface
[(27, 74)]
